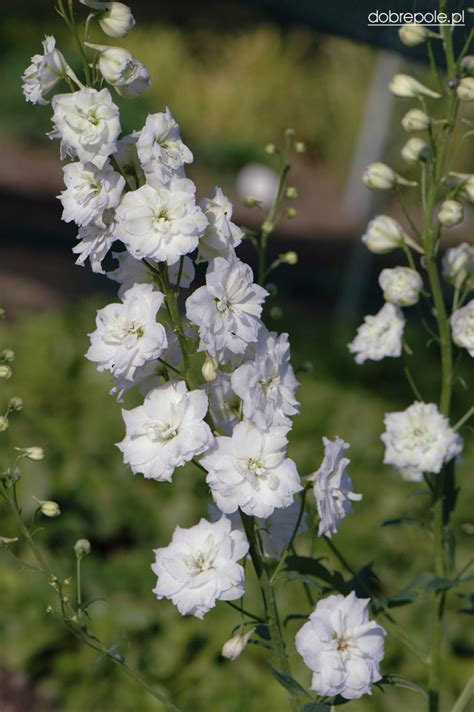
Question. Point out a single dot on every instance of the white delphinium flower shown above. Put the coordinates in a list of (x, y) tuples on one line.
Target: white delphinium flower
[(118, 66), (250, 470), (342, 647), (462, 327), (200, 567), (44, 72), (127, 159), (383, 235), (161, 151), (224, 404), (401, 286), (161, 223), (89, 191), (379, 336), (95, 240), (266, 382), (165, 432), (87, 123), (222, 236), (419, 439), (333, 487), (127, 334), (131, 271), (115, 18), (227, 310), (458, 265)]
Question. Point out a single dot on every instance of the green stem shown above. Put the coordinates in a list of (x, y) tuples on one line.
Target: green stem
[(464, 697), (269, 224)]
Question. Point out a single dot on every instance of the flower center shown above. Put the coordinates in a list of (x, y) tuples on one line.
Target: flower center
[(161, 431), (256, 467), (222, 305)]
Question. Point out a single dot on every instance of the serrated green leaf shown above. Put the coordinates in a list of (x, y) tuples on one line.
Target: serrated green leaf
[(288, 682)]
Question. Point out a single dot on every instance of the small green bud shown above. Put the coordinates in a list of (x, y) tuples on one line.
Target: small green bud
[(2, 313), (15, 404), (291, 192), (276, 312), (467, 65), (289, 133), (288, 258), (272, 289), (300, 147), (290, 213), (7, 355), (251, 202), (49, 610), (270, 148), (4, 423), (5, 371), (82, 547), (67, 581), (268, 226)]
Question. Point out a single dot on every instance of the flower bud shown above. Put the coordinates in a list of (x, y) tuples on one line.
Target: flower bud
[(5, 371), (116, 19), (407, 87), (288, 258), (251, 202), (290, 213), (291, 192), (210, 368), (2, 313), (458, 265), (465, 89), (379, 176), (6, 541), (270, 148), (415, 150), (412, 35), (466, 181), (4, 423), (82, 547), (451, 213), (127, 75), (289, 133), (383, 235), (467, 65), (401, 286), (300, 147), (31, 453), (48, 507), (416, 120), (7, 355), (276, 313), (15, 404), (236, 645)]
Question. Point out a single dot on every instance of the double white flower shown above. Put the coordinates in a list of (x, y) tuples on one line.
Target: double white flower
[(89, 191), (161, 223), (227, 310), (200, 567), (379, 336), (250, 470), (44, 72), (222, 236), (160, 149), (127, 334), (165, 432)]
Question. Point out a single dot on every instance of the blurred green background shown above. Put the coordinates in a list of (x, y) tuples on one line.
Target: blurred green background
[(232, 90)]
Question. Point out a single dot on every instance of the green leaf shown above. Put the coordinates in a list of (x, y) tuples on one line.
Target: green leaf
[(399, 681), (312, 567), (316, 707), (263, 632), (302, 578), (288, 682), (440, 584), (403, 520), (412, 591)]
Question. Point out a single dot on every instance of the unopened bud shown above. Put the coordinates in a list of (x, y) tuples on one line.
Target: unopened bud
[(270, 148), (31, 453), (4, 423), (383, 235), (300, 147), (236, 645), (466, 183), (416, 120), (49, 610), (272, 289), (210, 368), (82, 547), (407, 87), (116, 19), (7, 355), (412, 35), (251, 202), (15, 404), (276, 313), (290, 213), (451, 213), (291, 192), (48, 507), (6, 541), (5, 371), (415, 150), (458, 265), (465, 89), (379, 176), (268, 226), (2, 313), (467, 65), (289, 133), (288, 258)]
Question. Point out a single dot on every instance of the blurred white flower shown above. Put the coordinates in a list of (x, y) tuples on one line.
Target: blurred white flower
[(407, 87), (200, 567), (379, 176), (466, 181), (401, 286), (379, 336), (221, 236), (462, 327), (259, 182), (266, 382), (383, 235), (412, 35), (342, 647), (419, 439), (227, 310), (250, 470), (87, 123), (89, 191), (333, 487), (165, 432), (162, 223), (416, 120), (465, 89), (451, 213), (44, 72), (160, 149), (415, 150), (127, 334), (458, 265)]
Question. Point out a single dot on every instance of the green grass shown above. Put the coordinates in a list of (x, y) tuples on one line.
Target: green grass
[(69, 413)]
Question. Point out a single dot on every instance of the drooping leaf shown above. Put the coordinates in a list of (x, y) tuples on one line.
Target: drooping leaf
[(412, 591), (288, 682), (440, 584), (301, 578), (400, 681), (411, 521), (311, 567)]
